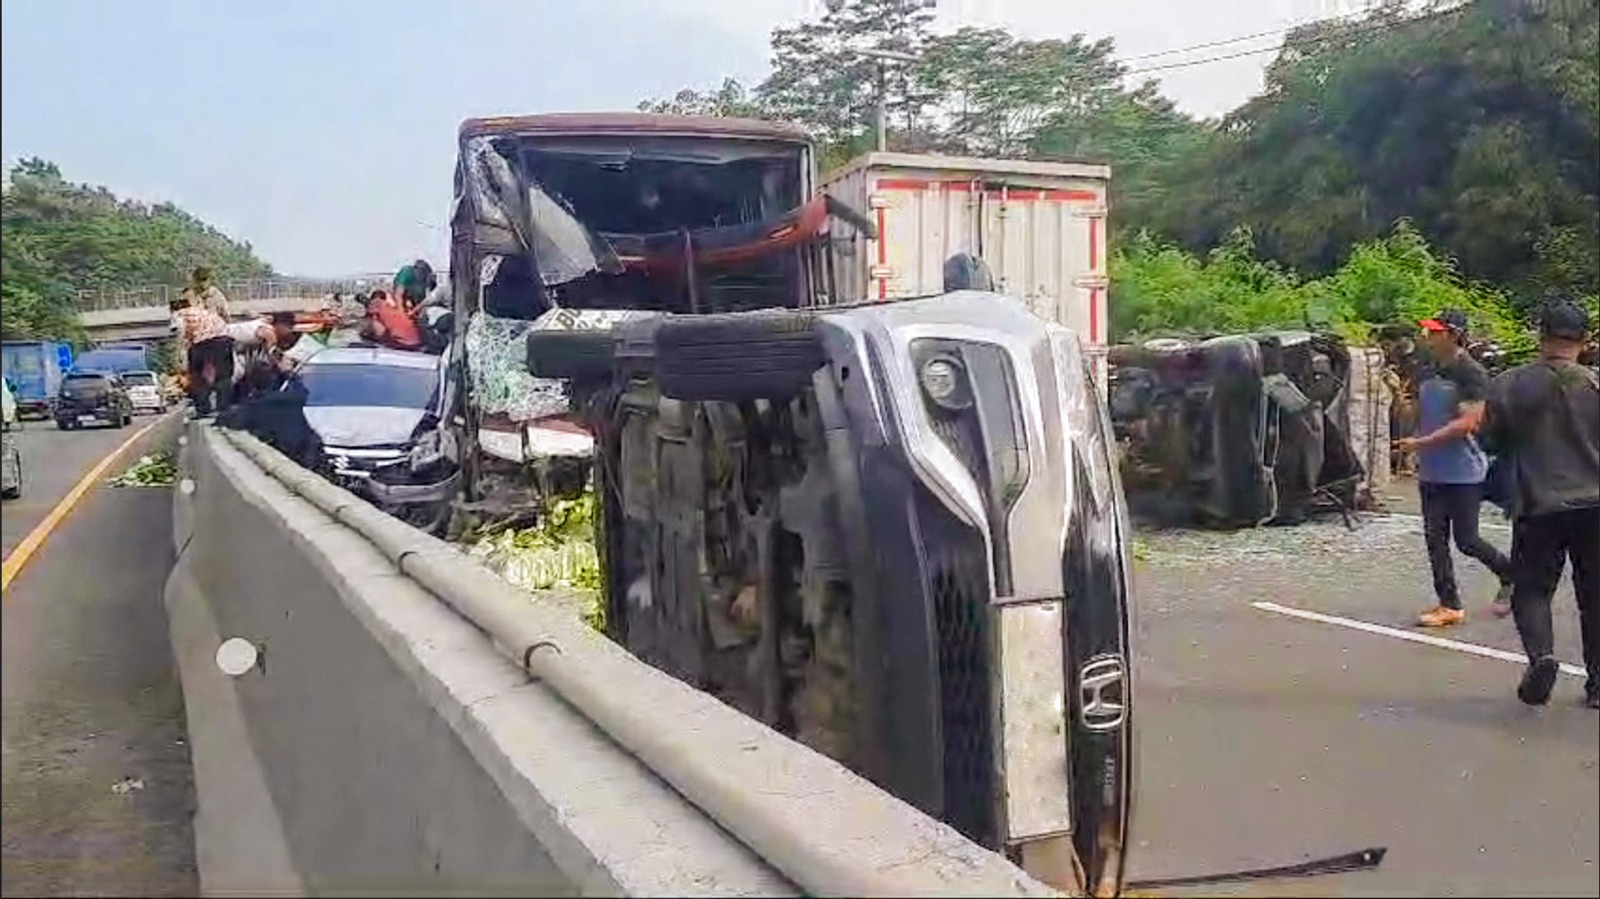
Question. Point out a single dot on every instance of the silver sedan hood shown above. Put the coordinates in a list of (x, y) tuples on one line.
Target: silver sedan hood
[(363, 426)]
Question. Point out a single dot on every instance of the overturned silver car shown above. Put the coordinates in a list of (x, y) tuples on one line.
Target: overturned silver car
[(894, 532)]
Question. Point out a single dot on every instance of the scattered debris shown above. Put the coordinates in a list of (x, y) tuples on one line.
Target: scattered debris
[(556, 552), (158, 470), (127, 785)]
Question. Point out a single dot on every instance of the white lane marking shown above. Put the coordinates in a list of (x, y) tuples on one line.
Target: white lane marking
[(1487, 652)]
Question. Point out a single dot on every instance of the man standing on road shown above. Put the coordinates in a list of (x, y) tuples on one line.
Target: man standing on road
[(1544, 418), (1451, 466)]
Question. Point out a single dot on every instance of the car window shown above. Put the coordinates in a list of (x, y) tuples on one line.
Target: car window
[(368, 385), (139, 379)]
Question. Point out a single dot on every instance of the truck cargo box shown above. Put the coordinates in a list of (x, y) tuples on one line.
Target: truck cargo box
[(1040, 226), (34, 368)]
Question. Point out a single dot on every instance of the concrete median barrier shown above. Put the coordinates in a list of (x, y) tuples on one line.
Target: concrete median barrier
[(414, 725)]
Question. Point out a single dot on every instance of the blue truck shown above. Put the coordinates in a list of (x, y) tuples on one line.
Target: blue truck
[(34, 368), (115, 358)]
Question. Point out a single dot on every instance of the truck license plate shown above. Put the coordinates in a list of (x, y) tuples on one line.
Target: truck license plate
[(87, 419)]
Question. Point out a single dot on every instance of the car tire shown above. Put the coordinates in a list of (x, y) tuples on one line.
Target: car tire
[(739, 356), (572, 355), (63, 424), (964, 271)]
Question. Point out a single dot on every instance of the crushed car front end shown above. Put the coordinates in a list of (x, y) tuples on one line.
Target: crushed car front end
[(377, 413)]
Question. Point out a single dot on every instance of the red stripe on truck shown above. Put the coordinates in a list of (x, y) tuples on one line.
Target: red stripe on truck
[(1094, 245), (883, 250), (1015, 194)]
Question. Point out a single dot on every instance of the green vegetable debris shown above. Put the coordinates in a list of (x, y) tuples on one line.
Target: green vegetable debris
[(158, 470), (558, 552)]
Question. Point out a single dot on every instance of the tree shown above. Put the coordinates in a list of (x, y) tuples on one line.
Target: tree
[(732, 99), (820, 78), (1477, 121), (61, 238)]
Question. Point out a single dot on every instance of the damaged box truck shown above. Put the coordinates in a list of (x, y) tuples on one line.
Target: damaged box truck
[(891, 530)]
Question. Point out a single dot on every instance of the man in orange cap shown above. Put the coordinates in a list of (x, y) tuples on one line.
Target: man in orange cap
[(1451, 467)]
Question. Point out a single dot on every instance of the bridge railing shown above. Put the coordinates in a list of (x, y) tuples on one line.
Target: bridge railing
[(242, 290)]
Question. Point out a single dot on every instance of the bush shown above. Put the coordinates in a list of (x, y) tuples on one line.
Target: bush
[(1158, 289)]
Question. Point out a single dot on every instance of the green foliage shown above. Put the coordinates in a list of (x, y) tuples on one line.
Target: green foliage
[(1476, 121), (558, 551), (159, 470), (61, 238), (1160, 289)]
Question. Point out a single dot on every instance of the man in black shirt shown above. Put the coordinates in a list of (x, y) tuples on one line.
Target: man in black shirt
[(1544, 417)]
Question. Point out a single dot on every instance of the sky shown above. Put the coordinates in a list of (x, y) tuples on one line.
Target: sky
[(323, 133)]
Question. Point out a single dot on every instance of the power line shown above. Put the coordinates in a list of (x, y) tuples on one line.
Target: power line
[(1371, 29), (1240, 39)]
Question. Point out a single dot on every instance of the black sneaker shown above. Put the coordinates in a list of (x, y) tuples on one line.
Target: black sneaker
[(1538, 681)]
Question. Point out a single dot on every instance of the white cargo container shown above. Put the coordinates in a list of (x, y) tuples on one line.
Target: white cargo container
[(1041, 227)]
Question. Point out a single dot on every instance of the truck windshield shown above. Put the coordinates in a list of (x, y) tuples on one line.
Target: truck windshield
[(393, 386)]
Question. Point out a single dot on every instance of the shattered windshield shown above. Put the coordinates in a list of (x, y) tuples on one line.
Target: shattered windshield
[(573, 208), (394, 386)]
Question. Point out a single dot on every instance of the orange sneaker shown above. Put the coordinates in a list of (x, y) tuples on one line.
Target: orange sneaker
[(1441, 616)]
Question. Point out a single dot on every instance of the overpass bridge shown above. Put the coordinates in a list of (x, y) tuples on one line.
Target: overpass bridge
[(144, 313)]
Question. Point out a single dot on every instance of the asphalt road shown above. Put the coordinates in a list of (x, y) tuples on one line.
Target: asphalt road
[(1266, 739), (97, 793), (52, 461)]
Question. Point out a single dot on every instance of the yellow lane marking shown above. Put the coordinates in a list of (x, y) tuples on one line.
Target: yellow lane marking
[(36, 537)]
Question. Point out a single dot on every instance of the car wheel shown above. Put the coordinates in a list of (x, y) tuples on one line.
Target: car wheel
[(736, 357), (575, 355), (63, 424)]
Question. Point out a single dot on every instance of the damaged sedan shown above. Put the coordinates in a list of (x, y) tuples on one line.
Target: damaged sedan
[(378, 413)]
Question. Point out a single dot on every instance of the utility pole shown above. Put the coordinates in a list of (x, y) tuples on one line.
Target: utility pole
[(881, 112)]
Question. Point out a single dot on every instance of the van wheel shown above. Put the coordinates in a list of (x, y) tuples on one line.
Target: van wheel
[(739, 356), (964, 271), (575, 355)]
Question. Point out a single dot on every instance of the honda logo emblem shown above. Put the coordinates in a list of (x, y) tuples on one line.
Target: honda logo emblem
[(1102, 694)]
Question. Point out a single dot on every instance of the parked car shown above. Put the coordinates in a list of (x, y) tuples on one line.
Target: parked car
[(93, 397), (377, 412), (144, 391)]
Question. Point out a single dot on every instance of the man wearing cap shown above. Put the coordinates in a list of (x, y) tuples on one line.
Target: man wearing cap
[(1451, 466), (1544, 418)]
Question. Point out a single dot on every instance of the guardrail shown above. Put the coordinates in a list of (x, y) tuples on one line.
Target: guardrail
[(244, 290), (418, 723)]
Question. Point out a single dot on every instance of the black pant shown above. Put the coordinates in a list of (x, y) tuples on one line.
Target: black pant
[(1540, 544), (1453, 508), (218, 353)]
